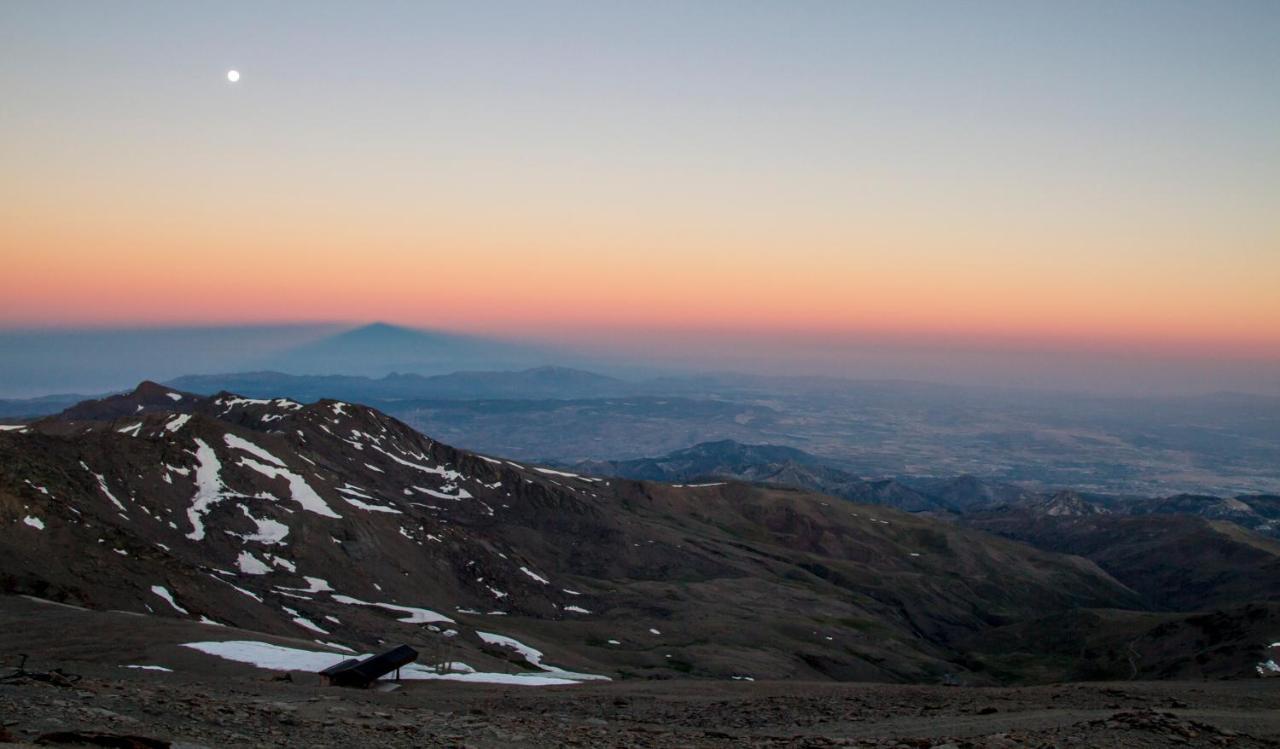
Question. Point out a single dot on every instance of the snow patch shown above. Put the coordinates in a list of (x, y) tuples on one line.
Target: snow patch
[(282, 563), (238, 443), (251, 565), (177, 422), (164, 593), (209, 488), (446, 474), (270, 532), (552, 472), (314, 585), (535, 576), (461, 493), (299, 489), (278, 658), (303, 622), (415, 615), (348, 492), (238, 589), (533, 657), (102, 484), (371, 508), (231, 403)]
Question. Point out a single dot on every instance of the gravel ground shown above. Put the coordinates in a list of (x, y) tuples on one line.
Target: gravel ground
[(203, 701), (263, 711)]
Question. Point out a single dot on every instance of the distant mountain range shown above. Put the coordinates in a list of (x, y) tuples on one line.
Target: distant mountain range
[(1221, 445), (766, 464), (539, 382), (341, 527), (30, 408), (960, 496), (534, 383), (40, 362)]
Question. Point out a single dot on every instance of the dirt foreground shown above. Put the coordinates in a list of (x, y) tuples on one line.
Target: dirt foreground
[(84, 679), (267, 712)]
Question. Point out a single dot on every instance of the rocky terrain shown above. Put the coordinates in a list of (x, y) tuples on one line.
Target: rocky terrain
[(180, 554), (185, 699), (339, 522)]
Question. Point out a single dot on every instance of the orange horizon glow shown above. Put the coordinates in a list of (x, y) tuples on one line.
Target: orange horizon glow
[(725, 183), (130, 273)]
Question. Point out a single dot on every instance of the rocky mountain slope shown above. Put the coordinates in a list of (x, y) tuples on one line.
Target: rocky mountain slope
[(338, 524), (1186, 553), (341, 524), (1176, 562)]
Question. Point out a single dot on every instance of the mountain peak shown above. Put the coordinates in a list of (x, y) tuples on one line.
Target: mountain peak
[(1069, 503), (151, 389), (382, 332), (383, 328), (147, 396), (376, 349)]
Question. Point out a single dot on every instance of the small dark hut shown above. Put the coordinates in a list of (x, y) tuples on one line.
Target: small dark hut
[(356, 672)]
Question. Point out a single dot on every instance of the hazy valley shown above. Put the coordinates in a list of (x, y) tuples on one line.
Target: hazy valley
[(1225, 445)]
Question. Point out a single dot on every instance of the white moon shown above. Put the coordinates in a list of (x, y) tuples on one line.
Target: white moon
[(233, 75)]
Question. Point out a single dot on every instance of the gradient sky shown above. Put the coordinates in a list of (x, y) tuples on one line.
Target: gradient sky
[(1023, 175)]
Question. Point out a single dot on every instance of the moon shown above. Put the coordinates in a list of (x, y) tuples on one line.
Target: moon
[(233, 75)]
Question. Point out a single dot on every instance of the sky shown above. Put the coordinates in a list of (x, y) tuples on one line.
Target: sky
[(947, 179)]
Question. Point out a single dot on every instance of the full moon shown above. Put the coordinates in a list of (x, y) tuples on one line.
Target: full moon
[(233, 75)]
